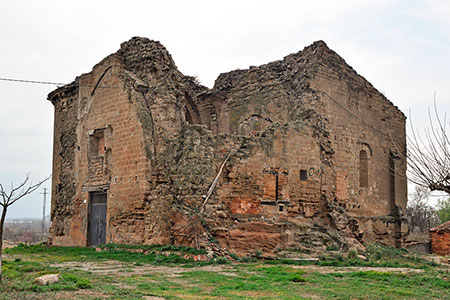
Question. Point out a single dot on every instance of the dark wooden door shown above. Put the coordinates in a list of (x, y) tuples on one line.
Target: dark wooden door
[(97, 219)]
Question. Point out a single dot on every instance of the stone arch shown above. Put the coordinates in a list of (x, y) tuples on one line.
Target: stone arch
[(191, 113)]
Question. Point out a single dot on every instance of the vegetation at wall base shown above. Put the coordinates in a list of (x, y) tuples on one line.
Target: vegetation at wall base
[(132, 272)]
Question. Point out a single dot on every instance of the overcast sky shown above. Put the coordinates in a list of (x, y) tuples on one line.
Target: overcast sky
[(401, 47)]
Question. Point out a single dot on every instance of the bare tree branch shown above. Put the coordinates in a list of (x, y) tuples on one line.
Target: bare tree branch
[(429, 154), (11, 197)]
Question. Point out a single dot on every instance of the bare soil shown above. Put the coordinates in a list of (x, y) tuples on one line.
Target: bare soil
[(124, 269), (326, 269)]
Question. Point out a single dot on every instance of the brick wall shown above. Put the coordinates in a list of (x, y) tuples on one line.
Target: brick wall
[(440, 242), (158, 139), (118, 162)]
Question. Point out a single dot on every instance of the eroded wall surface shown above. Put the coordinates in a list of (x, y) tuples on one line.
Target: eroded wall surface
[(315, 154)]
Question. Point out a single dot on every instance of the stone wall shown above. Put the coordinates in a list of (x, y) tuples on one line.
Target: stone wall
[(64, 145), (312, 158), (107, 154)]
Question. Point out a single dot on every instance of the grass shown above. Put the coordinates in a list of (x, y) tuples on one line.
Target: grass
[(161, 271), (156, 254), (153, 248), (278, 282), (19, 276), (382, 285), (377, 256)]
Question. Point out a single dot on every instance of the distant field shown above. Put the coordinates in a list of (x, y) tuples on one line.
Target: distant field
[(162, 272), (25, 230)]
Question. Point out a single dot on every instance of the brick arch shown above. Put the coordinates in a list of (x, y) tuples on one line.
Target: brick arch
[(367, 147)]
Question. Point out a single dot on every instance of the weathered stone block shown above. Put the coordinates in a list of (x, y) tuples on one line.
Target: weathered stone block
[(47, 279)]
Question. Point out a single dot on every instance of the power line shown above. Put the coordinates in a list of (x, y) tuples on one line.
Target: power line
[(32, 81), (355, 116), (104, 86), (371, 127), (117, 87), (59, 84)]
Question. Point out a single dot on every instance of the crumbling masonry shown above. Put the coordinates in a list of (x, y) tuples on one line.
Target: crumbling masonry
[(314, 155)]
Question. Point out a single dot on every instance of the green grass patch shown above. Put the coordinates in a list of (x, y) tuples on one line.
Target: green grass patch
[(110, 252), (19, 276), (254, 279), (153, 248), (380, 285), (278, 281)]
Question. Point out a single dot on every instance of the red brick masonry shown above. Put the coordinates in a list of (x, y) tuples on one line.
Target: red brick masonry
[(440, 239)]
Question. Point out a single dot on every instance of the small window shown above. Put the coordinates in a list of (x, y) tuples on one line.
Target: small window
[(303, 175), (363, 169), (280, 208), (275, 181), (97, 143)]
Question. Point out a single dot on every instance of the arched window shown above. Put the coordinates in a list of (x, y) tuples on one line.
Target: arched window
[(363, 169)]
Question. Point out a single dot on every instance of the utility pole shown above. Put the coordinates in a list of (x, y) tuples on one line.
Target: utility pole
[(43, 214)]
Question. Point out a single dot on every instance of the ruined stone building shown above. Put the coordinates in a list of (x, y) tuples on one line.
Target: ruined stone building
[(311, 154)]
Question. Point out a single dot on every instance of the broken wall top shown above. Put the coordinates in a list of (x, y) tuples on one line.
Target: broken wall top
[(150, 61), (299, 68)]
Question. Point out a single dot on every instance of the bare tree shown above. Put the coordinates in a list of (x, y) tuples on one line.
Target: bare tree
[(429, 154), (11, 197), (421, 215)]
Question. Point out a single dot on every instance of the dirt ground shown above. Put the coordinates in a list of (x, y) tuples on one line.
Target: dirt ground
[(129, 271), (116, 268), (7, 244)]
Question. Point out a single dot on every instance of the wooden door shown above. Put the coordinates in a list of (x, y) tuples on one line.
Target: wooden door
[(97, 219)]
